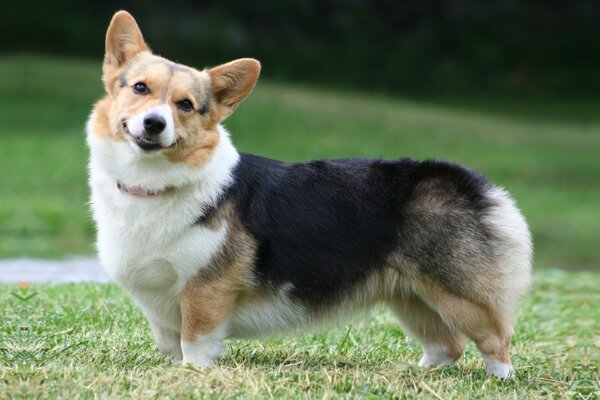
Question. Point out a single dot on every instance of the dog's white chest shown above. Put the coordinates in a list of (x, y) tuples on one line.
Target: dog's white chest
[(152, 247)]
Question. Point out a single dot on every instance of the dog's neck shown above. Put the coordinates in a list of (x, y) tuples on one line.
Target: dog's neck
[(160, 178), (141, 192)]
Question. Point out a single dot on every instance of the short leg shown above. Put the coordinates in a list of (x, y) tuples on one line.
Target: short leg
[(488, 328), (204, 309), (204, 348), (441, 344), (495, 350), (167, 340)]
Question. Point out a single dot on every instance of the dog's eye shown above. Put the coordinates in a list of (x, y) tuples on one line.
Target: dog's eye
[(185, 105), (140, 88)]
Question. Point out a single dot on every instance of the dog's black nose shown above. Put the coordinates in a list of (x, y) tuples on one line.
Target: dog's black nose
[(154, 124)]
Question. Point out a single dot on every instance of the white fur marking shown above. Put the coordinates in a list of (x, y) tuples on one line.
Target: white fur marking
[(435, 355), (135, 125), (498, 368), (203, 351), (513, 249)]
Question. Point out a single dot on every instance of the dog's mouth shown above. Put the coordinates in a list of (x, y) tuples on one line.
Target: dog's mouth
[(145, 142)]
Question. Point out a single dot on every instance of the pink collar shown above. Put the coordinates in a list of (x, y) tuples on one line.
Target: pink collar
[(141, 192)]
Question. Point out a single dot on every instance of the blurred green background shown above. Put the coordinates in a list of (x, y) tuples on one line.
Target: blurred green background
[(508, 88)]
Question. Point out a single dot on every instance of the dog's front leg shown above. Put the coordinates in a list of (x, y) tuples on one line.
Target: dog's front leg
[(203, 349), (205, 308), (167, 340)]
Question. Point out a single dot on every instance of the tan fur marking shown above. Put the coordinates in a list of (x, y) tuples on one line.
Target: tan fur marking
[(205, 306), (207, 299), (426, 325), (436, 197), (216, 220), (196, 150), (102, 124), (490, 330)]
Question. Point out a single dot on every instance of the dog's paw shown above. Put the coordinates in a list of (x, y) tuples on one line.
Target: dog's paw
[(431, 362), (201, 353), (199, 362), (435, 356), (499, 369)]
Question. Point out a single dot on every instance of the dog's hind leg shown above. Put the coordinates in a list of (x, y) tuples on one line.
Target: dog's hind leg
[(491, 329), (442, 345)]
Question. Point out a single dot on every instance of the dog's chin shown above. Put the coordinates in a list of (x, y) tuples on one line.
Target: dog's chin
[(147, 144)]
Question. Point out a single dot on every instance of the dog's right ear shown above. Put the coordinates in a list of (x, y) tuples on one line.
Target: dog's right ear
[(124, 41)]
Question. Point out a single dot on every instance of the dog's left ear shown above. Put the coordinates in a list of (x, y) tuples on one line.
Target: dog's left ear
[(124, 41), (232, 82)]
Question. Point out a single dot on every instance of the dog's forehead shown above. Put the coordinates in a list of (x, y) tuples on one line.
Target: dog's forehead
[(153, 63), (149, 65)]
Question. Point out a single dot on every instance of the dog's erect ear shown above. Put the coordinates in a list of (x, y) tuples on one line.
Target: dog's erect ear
[(232, 82), (124, 41)]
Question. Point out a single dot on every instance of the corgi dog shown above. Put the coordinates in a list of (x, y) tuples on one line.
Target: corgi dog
[(212, 243)]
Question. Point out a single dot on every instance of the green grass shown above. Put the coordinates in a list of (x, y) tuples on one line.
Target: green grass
[(85, 341), (545, 152)]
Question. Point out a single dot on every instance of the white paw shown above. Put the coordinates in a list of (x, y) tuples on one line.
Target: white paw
[(435, 355), (499, 369), (198, 362), (435, 361), (427, 361), (203, 351)]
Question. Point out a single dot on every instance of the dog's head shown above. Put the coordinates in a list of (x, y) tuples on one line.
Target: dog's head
[(159, 106)]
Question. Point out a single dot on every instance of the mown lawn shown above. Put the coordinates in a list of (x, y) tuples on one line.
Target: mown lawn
[(90, 341), (546, 152)]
